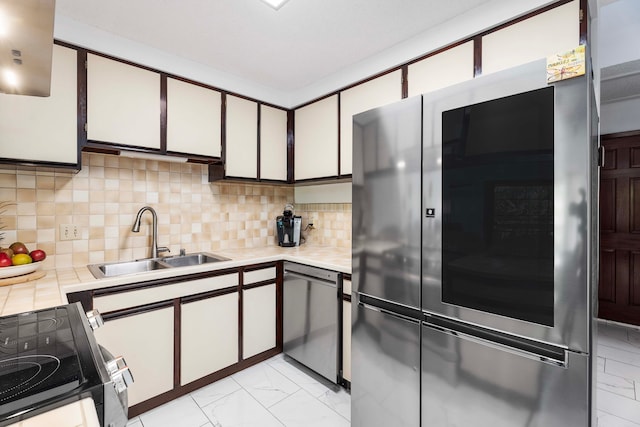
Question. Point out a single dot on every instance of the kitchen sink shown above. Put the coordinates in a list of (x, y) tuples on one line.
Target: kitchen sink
[(114, 269), (192, 259), (122, 268)]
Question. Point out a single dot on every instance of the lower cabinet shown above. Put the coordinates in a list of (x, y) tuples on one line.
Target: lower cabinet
[(258, 320), (208, 336), (346, 340), (181, 333), (145, 339)]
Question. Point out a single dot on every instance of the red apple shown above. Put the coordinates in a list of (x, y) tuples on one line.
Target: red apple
[(37, 255), (7, 251), (5, 260)]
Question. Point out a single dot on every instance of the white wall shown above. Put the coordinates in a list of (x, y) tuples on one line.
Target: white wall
[(619, 23), (618, 35), (620, 116)]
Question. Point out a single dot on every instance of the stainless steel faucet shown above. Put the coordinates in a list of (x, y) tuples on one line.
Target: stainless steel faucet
[(154, 236)]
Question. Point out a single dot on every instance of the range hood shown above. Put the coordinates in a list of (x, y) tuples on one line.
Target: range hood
[(26, 46)]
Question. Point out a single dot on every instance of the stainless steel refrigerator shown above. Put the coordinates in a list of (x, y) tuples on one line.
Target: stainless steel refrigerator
[(475, 255)]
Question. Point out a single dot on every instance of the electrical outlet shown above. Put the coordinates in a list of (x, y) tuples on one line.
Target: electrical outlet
[(69, 232)]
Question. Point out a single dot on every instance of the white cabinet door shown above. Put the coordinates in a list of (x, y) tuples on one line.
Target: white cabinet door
[(444, 69), (209, 336), (346, 340), (145, 341), (273, 143), (44, 129), (346, 286), (543, 35), (123, 103), (316, 138), (374, 93), (193, 119), (241, 138), (258, 320)]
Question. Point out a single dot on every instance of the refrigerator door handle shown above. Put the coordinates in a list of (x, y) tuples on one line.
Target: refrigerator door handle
[(555, 356), (389, 313)]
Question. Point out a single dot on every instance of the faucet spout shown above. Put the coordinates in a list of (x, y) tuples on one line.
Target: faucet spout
[(154, 230)]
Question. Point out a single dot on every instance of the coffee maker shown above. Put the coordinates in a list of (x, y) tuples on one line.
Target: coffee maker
[(288, 227)]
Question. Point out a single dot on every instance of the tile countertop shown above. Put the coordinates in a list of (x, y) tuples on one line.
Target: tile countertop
[(51, 290)]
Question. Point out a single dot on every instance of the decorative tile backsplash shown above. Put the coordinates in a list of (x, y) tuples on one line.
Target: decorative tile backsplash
[(104, 197)]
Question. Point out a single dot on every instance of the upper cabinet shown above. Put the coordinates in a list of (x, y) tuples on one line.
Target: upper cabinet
[(193, 119), (374, 93), (554, 31), (34, 129), (241, 144), (316, 139), (123, 103), (273, 143), (444, 69)]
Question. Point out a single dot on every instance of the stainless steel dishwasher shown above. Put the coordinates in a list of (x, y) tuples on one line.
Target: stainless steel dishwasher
[(310, 318)]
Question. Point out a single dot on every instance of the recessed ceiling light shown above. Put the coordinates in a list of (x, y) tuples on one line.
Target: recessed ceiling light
[(276, 4), (11, 78)]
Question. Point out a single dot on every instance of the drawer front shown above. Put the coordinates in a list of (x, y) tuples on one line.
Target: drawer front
[(261, 275), (119, 301)]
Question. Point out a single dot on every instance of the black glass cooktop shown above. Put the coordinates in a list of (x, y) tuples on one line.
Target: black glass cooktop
[(39, 358)]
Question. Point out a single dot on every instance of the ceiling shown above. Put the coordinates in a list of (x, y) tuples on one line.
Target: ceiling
[(302, 42)]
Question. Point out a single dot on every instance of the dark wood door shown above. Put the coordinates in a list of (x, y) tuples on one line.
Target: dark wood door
[(619, 288)]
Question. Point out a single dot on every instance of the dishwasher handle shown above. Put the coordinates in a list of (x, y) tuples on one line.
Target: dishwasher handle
[(318, 280)]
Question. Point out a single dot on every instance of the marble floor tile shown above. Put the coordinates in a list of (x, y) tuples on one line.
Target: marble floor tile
[(619, 337), (303, 410), (134, 422), (239, 409), (634, 338), (619, 406), (305, 380), (212, 392), (183, 412), (618, 385), (608, 420), (613, 353), (601, 363), (623, 370), (339, 401), (265, 384)]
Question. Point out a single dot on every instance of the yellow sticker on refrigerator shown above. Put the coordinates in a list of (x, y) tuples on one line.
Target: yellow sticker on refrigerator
[(566, 65)]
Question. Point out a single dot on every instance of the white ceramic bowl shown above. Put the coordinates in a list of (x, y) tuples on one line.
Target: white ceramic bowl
[(19, 270)]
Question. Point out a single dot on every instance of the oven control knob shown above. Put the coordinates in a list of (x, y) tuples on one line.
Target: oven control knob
[(122, 379), (95, 319), (120, 374)]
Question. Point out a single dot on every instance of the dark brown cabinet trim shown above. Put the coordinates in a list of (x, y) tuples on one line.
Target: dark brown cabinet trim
[(291, 167), (404, 91), (477, 56), (163, 113)]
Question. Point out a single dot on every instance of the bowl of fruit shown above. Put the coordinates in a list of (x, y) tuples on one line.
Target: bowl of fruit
[(17, 260)]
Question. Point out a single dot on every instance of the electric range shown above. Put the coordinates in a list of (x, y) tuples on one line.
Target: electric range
[(50, 358)]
